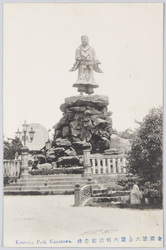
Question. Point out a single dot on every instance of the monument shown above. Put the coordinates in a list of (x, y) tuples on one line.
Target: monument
[(86, 63), (135, 195), (86, 118)]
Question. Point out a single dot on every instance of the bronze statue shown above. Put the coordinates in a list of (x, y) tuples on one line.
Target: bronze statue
[(86, 62)]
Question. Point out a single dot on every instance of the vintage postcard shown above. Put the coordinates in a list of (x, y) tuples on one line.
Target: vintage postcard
[(83, 125)]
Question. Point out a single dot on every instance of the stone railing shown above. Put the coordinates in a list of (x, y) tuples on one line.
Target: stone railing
[(82, 195), (86, 193), (108, 164), (11, 168)]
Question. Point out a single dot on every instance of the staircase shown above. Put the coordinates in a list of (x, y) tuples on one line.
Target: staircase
[(113, 199), (45, 185)]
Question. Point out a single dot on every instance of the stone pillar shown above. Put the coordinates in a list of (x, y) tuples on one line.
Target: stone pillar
[(119, 165), (114, 165), (77, 195), (24, 161), (124, 165), (86, 160)]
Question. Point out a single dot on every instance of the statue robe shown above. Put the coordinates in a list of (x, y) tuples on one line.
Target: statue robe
[(86, 62)]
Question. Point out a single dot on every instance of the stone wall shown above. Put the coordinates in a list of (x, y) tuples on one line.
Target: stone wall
[(85, 118)]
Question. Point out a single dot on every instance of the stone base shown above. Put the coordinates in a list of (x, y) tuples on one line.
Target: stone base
[(87, 88), (87, 171), (87, 175), (24, 173), (98, 101), (85, 119)]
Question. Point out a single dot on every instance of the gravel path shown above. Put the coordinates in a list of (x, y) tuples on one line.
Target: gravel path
[(46, 218)]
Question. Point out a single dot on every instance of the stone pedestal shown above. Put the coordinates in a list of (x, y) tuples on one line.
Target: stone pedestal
[(24, 161), (85, 118)]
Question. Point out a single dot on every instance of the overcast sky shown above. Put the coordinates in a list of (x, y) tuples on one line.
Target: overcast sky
[(39, 43)]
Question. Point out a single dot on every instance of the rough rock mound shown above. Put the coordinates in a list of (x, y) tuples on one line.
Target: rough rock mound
[(85, 118)]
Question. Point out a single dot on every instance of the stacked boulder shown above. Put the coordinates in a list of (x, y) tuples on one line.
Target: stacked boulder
[(62, 154), (85, 119)]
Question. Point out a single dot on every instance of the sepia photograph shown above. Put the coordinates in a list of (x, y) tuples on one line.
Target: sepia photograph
[(83, 125)]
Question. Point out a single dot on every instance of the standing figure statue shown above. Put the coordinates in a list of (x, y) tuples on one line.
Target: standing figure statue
[(86, 62)]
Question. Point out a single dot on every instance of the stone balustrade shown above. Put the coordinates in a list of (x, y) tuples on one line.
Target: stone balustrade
[(93, 164), (86, 193), (108, 164), (82, 195), (11, 168)]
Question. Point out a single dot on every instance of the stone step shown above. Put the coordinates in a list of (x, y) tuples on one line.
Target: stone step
[(44, 183), (55, 187), (50, 179), (113, 194), (107, 199), (56, 176), (40, 192)]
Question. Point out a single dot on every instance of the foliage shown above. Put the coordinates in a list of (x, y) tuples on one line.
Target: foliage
[(127, 184), (122, 145), (9, 179), (76, 170), (145, 157), (10, 148), (153, 191), (6, 180), (126, 134)]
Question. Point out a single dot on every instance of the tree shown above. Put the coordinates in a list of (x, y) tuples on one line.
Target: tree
[(127, 134), (9, 149), (145, 157)]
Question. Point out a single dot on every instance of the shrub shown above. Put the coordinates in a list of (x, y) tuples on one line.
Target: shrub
[(153, 191), (76, 170), (8, 180), (145, 157), (127, 184), (10, 148)]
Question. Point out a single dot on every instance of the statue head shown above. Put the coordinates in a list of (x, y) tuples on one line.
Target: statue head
[(84, 40)]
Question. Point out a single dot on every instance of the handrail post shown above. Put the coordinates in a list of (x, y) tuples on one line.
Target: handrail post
[(90, 182), (77, 195)]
